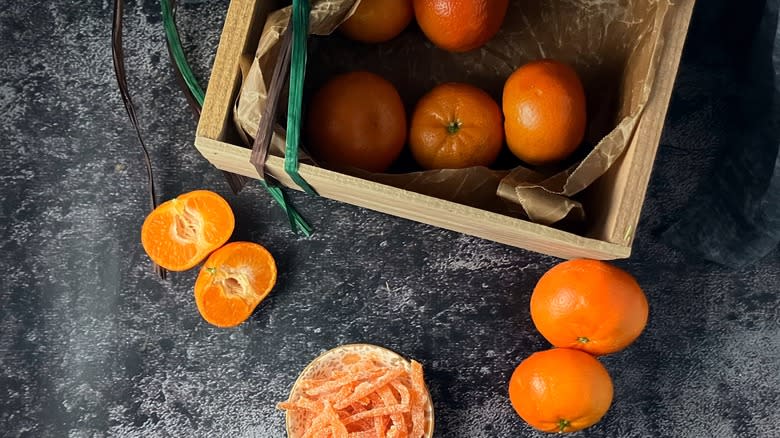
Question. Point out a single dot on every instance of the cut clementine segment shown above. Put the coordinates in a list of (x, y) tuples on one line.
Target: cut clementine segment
[(180, 233), (233, 281)]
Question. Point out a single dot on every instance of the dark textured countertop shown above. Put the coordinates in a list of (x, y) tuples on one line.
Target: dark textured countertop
[(92, 344)]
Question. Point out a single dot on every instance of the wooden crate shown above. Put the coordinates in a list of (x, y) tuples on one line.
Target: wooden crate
[(616, 209)]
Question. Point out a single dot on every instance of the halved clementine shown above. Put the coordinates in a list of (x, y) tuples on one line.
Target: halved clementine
[(180, 233), (233, 281)]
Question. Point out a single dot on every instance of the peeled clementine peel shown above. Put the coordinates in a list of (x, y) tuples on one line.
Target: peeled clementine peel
[(180, 233), (233, 281)]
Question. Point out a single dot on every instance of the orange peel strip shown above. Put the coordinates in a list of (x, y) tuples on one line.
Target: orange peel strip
[(420, 400), (403, 391), (339, 429), (364, 434), (367, 388), (377, 412), (302, 403), (319, 424), (380, 426), (335, 385), (397, 416)]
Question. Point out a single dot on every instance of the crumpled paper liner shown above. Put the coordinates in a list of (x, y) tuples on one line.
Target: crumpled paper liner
[(613, 45)]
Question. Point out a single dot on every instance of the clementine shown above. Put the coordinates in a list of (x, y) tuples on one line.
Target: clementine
[(544, 110), (460, 25), (589, 305), (357, 120), (233, 281), (456, 126), (560, 390), (377, 21), (181, 232)]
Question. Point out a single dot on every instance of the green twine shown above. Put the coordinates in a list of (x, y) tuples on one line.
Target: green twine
[(172, 34), (297, 222), (300, 29)]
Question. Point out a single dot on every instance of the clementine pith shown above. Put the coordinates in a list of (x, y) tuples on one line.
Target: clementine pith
[(544, 110), (560, 390), (377, 21), (455, 126), (357, 120), (460, 25), (589, 305)]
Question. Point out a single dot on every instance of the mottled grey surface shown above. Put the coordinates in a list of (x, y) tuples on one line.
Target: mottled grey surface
[(92, 344)]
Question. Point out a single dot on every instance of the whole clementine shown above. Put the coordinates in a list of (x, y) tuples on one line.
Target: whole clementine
[(589, 305), (357, 120), (544, 110), (560, 390), (455, 126), (377, 21), (460, 25)]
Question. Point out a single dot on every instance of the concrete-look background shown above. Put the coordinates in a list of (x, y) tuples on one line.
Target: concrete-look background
[(93, 344)]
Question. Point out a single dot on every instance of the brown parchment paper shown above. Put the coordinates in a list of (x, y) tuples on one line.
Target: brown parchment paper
[(613, 45)]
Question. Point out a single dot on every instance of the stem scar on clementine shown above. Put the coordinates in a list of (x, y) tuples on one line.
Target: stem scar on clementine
[(233, 281), (455, 126), (180, 233)]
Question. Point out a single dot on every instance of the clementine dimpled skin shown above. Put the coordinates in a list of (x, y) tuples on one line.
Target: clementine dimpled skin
[(460, 25), (589, 305), (560, 390), (377, 21), (181, 232), (233, 281), (455, 126), (544, 112), (357, 120)]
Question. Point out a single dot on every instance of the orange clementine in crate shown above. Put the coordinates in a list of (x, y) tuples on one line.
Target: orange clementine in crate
[(377, 21), (460, 25), (456, 126), (180, 233), (560, 390), (357, 120), (544, 110), (233, 281), (589, 305)]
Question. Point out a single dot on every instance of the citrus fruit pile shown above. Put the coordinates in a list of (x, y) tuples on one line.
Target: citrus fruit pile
[(181, 233), (358, 120), (584, 308)]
